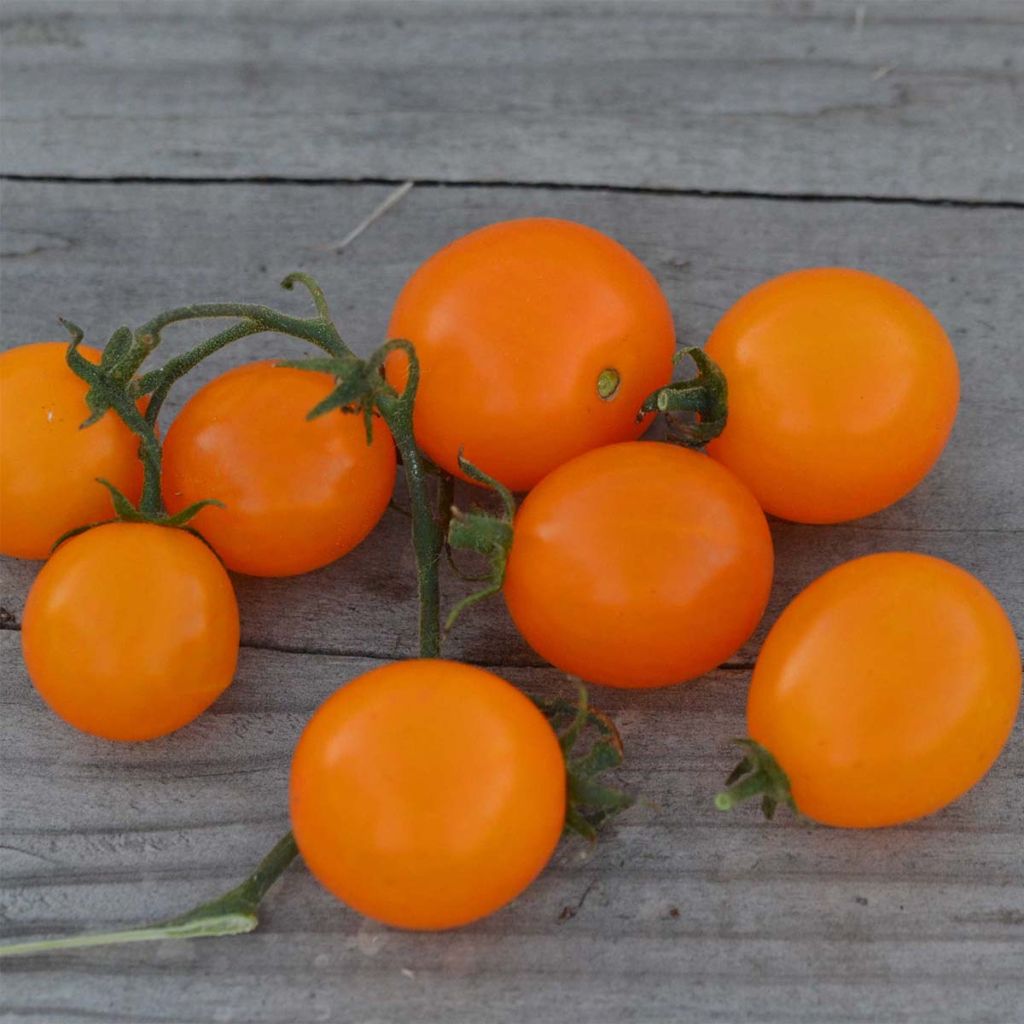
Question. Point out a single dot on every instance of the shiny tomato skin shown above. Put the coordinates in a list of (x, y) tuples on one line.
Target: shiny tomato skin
[(298, 493), (131, 630), (638, 565), (48, 467), (843, 388), (427, 794), (886, 689), (513, 325)]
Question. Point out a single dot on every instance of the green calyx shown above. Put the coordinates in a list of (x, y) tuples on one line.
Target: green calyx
[(706, 395), (126, 512), (757, 775), (591, 745), (109, 390), (355, 391), (486, 534)]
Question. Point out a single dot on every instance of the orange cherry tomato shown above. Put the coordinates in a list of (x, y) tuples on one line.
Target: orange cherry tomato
[(520, 327), (886, 689), (427, 794), (843, 389), (298, 493), (639, 564), (131, 630), (48, 467)]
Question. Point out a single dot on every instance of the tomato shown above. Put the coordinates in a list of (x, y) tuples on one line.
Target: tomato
[(886, 689), (48, 467), (639, 564), (298, 493), (843, 389), (131, 630), (514, 326), (427, 794)]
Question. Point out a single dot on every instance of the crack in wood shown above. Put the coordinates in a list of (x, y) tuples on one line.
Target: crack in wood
[(549, 186)]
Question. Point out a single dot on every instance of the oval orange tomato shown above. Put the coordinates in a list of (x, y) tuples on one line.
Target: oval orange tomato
[(427, 794), (639, 564), (886, 689), (298, 493), (843, 389), (520, 329), (131, 630), (48, 467)]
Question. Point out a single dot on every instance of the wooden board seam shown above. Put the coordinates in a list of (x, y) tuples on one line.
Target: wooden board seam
[(551, 186)]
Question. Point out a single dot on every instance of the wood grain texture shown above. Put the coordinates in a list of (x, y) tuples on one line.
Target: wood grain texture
[(887, 99), (679, 913)]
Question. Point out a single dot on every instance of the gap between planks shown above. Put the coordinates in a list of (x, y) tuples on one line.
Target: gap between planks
[(403, 185), (331, 652)]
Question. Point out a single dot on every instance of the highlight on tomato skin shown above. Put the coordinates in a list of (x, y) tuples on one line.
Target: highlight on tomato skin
[(297, 494), (843, 389), (427, 794), (886, 689), (637, 565), (131, 630), (48, 466), (537, 339)]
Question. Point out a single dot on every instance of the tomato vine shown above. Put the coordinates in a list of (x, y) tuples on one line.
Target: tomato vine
[(361, 389)]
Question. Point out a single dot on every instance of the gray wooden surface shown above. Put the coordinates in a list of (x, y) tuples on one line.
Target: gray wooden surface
[(679, 913), (859, 98)]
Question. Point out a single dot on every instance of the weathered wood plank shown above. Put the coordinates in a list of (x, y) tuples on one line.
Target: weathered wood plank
[(788, 923), (771, 920), (825, 97)]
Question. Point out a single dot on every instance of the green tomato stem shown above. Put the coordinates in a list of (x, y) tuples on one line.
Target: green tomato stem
[(113, 385), (427, 533), (107, 391), (159, 383), (233, 913), (396, 409), (706, 394), (758, 774), (151, 502), (319, 331)]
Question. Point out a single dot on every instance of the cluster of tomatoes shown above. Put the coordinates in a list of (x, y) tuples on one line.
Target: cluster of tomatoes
[(427, 793)]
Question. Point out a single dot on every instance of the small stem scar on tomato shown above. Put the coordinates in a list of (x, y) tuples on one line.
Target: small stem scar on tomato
[(608, 382)]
